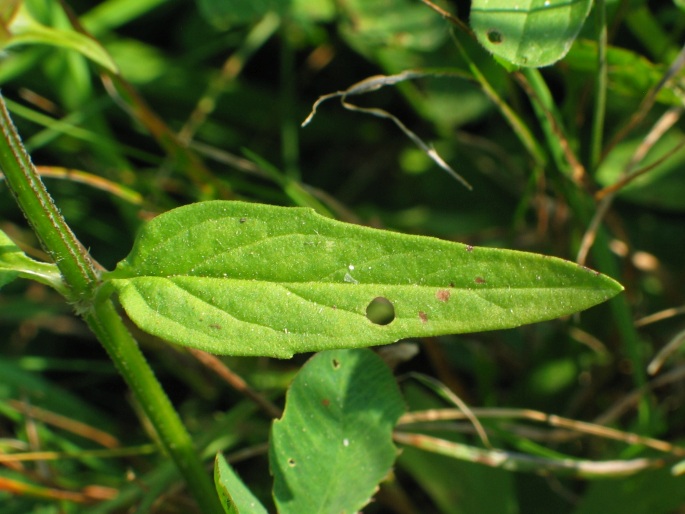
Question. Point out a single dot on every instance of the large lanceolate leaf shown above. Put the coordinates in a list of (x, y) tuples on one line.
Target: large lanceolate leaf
[(246, 279), (333, 444), (528, 32)]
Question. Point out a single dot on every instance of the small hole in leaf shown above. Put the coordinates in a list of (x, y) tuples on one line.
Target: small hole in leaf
[(495, 37), (380, 311)]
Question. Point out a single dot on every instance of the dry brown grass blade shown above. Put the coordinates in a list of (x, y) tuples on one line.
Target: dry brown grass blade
[(215, 364), (513, 461), (373, 84), (580, 427)]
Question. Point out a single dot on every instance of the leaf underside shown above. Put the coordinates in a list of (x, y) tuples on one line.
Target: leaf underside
[(247, 279)]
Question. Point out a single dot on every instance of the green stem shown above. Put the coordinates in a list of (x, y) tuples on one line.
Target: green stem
[(600, 87), (551, 123), (109, 328), (289, 126), (519, 127), (83, 282), (52, 231)]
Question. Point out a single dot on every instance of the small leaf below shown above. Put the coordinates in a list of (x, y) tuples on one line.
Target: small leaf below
[(235, 497), (332, 459)]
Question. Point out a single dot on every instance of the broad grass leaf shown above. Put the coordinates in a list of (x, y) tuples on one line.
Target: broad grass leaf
[(333, 444), (630, 74), (651, 492), (235, 497), (662, 186), (247, 279), (531, 33)]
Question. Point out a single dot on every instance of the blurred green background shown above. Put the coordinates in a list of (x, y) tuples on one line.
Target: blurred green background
[(207, 102)]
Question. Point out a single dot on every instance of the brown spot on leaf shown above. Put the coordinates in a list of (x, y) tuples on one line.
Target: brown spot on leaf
[(443, 295), (215, 326), (479, 280), (242, 220), (325, 402), (469, 248), (423, 317)]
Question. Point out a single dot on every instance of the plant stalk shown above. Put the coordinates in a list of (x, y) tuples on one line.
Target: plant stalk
[(107, 325), (600, 88), (83, 281), (54, 234)]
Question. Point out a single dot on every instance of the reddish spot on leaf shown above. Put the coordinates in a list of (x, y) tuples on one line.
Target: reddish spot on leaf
[(325, 402), (423, 316), (480, 280), (443, 295)]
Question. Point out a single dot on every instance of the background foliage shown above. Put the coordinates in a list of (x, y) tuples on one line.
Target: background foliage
[(233, 81)]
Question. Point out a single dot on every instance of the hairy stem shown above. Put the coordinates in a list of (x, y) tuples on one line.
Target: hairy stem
[(82, 283)]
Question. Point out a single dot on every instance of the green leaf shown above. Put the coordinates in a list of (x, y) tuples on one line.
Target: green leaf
[(629, 73), (334, 443), (662, 186), (240, 499), (224, 15), (530, 33), (14, 263), (392, 23), (25, 29), (651, 492), (247, 279)]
